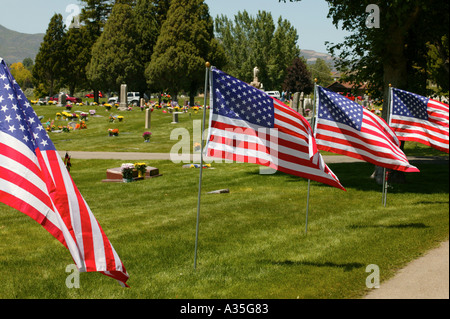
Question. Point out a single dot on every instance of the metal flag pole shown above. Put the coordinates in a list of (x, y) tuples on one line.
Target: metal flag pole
[(208, 66), (312, 127), (385, 180)]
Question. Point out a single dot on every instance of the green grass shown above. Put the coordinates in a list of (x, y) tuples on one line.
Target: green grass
[(252, 241)]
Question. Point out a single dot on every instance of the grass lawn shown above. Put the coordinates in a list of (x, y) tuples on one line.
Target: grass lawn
[(252, 241)]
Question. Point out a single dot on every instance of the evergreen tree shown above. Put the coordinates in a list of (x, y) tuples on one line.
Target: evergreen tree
[(78, 55), (183, 46), (50, 61), (93, 17), (147, 28), (298, 78), (114, 59)]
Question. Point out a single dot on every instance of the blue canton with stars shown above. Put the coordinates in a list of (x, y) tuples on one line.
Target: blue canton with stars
[(336, 107), (17, 117), (238, 100), (409, 104)]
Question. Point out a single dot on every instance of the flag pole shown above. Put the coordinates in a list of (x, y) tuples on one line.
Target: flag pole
[(385, 181), (208, 66), (309, 181)]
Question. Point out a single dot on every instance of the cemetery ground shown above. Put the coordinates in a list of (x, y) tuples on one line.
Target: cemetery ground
[(252, 241)]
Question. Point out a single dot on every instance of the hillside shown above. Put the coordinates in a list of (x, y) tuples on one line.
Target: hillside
[(16, 46), (311, 56)]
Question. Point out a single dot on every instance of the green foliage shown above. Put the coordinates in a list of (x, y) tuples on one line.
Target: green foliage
[(50, 62), (22, 75), (114, 54), (183, 46), (438, 64), (321, 71), (255, 41), (78, 55)]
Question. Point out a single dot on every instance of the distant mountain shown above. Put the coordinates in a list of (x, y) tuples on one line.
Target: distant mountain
[(311, 57), (16, 46)]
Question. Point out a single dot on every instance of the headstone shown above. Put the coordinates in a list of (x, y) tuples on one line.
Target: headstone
[(148, 118), (295, 101), (175, 117), (123, 96), (301, 107), (61, 99)]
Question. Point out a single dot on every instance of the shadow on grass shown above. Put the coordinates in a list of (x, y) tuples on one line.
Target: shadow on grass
[(399, 226), (345, 266), (432, 179)]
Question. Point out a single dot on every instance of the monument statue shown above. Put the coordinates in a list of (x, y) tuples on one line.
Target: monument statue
[(256, 82)]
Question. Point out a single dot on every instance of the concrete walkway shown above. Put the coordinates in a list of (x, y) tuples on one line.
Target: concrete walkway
[(424, 278)]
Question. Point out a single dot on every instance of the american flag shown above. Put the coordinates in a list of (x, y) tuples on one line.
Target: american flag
[(247, 125), (419, 119), (345, 127), (35, 181)]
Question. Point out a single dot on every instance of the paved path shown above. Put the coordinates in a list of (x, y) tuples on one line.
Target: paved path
[(424, 278)]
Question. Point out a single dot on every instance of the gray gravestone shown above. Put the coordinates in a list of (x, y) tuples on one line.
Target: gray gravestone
[(295, 101)]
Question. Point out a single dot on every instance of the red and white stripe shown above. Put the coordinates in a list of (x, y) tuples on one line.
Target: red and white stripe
[(289, 147), (433, 133), (376, 143), (39, 185)]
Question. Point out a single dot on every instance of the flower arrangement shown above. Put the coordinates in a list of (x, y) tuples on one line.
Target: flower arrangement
[(112, 118), (127, 171), (81, 126), (107, 106), (58, 116), (92, 112), (120, 118), (147, 136), (113, 132), (68, 107), (83, 116), (141, 168)]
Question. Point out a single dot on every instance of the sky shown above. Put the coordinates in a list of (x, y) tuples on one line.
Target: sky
[(309, 17)]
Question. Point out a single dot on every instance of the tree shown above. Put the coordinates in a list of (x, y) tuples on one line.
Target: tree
[(22, 75), (78, 55), (50, 60), (114, 54), (93, 17), (183, 46), (147, 23), (321, 71), (298, 78), (394, 54), (256, 41)]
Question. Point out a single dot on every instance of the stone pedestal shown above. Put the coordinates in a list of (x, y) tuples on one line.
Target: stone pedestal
[(148, 118), (123, 96), (175, 117)]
